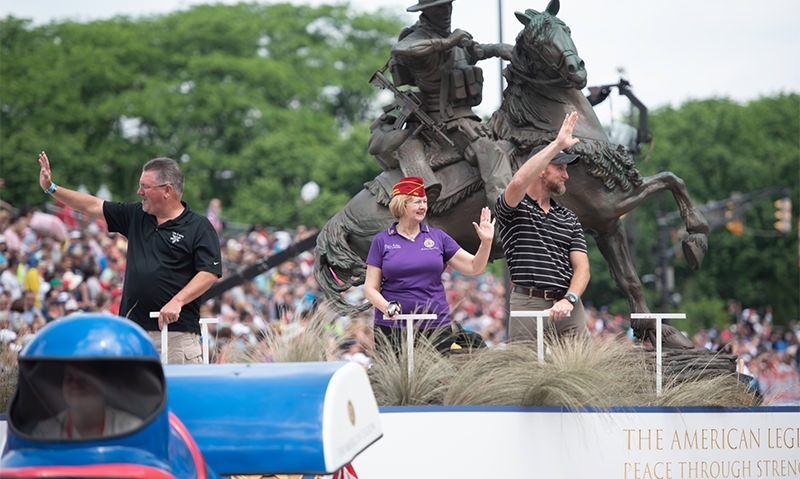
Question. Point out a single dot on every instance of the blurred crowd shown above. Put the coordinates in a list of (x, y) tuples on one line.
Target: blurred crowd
[(766, 351), (47, 272)]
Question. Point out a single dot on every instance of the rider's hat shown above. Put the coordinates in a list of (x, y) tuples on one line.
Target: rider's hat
[(423, 4), (561, 158), (410, 185)]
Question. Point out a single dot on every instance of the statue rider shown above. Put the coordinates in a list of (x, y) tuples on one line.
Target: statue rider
[(441, 65)]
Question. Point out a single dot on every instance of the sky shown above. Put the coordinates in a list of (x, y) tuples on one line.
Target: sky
[(670, 51)]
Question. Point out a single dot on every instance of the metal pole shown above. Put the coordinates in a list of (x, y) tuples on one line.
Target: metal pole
[(630, 217), (164, 339), (659, 317), (409, 318), (205, 336), (539, 317), (500, 40)]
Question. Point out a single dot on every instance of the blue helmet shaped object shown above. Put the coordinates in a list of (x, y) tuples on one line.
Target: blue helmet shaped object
[(219, 419), (112, 354), (90, 335)]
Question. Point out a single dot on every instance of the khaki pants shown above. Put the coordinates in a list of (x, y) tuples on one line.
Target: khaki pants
[(182, 347), (525, 328)]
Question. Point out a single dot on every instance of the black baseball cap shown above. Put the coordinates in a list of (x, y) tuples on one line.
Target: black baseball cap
[(561, 158)]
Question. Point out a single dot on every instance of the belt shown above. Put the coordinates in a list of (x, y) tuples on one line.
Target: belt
[(540, 293)]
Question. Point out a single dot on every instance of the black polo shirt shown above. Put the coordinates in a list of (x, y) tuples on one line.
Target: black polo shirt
[(161, 260)]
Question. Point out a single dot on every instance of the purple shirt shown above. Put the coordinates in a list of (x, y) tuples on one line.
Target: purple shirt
[(412, 273)]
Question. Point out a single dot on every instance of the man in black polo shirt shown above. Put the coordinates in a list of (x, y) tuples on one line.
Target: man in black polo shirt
[(173, 253), (543, 242)]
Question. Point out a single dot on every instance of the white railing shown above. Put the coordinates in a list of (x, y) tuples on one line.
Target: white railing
[(538, 316), (409, 319), (205, 338), (659, 317)]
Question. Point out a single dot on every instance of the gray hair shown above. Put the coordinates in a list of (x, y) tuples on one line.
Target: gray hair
[(168, 172)]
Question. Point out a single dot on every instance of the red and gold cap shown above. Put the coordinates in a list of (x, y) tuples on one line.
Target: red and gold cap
[(410, 185)]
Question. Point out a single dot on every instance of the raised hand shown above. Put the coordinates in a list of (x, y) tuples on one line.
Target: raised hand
[(485, 229), (45, 179), (565, 138)]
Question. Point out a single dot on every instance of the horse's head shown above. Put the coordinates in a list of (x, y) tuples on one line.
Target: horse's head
[(546, 49)]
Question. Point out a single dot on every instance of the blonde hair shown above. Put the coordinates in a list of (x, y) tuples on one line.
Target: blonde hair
[(398, 204)]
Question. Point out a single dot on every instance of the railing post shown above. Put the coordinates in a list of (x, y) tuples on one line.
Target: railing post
[(659, 317), (204, 322), (538, 316), (204, 338), (164, 339), (410, 318)]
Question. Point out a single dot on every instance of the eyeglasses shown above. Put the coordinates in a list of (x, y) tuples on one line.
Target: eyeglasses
[(147, 187)]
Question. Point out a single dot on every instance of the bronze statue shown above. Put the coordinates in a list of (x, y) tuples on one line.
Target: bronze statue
[(545, 79), (437, 118)]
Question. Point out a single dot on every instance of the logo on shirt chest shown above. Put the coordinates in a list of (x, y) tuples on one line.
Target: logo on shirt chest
[(175, 238)]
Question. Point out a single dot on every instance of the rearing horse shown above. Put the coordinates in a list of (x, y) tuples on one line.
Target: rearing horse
[(545, 78)]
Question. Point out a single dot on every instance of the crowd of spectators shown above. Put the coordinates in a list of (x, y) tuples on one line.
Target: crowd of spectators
[(766, 351), (43, 278)]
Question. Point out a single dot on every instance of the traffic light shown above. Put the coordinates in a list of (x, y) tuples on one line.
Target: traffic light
[(733, 215), (783, 213), (736, 227)]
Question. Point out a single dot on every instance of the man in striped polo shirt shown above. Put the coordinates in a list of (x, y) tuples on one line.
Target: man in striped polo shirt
[(543, 242)]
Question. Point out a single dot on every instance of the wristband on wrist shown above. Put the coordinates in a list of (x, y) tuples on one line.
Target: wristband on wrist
[(52, 189), (571, 297)]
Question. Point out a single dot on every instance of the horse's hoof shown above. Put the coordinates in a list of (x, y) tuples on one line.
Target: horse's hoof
[(642, 326), (695, 247), (673, 339)]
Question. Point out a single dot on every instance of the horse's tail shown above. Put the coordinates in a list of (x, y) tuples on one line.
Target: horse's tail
[(338, 267)]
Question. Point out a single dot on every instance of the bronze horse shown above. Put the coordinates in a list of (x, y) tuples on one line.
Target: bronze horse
[(545, 78)]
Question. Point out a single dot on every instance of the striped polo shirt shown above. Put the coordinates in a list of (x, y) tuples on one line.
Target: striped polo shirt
[(536, 244)]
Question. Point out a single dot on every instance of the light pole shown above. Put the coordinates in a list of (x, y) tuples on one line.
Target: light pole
[(500, 40)]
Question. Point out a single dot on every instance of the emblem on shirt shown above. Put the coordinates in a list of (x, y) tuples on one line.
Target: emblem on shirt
[(428, 243), (175, 238)]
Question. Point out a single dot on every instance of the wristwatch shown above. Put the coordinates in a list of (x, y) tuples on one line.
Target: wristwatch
[(571, 297)]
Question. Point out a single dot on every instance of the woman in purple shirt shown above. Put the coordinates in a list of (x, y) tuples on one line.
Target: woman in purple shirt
[(405, 265)]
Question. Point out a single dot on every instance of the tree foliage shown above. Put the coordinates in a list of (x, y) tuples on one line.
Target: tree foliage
[(253, 100), (719, 147)]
